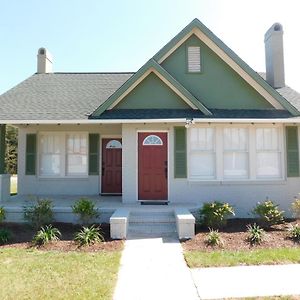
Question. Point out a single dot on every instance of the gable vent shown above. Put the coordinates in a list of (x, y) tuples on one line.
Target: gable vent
[(194, 59)]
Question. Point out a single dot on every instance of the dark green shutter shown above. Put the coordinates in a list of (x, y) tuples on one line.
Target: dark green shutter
[(2, 148), (180, 168), (30, 168), (93, 154), (292, 151)]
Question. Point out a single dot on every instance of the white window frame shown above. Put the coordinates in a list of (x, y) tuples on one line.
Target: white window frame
[(219, 150), (190, 151), (63, 153)]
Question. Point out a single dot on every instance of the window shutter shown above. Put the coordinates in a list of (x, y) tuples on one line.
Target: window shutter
[(94, 154), (292, 151), (194, 64), (30, 164), (180, 168)]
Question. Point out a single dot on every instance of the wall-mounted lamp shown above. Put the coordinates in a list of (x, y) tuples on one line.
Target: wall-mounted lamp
[(189, 122)]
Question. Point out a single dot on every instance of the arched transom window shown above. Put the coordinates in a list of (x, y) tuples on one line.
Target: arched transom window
[(114, 144), (152, 140)]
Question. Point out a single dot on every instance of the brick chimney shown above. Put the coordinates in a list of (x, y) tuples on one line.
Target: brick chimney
[(44, 61), (274, 56)]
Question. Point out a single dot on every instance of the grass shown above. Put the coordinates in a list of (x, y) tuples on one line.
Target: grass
[(34, 274), (222, 258)]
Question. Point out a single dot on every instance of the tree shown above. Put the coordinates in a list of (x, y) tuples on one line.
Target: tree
[(11, 153)]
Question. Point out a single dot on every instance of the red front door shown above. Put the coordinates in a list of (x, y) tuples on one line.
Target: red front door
[(153, 166), (111, 166)]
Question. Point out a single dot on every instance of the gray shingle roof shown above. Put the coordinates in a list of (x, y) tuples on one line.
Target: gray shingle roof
[(73, 96), (59, 96)]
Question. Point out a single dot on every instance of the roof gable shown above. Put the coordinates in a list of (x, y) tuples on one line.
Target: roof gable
[(150, 67), (212, 41)]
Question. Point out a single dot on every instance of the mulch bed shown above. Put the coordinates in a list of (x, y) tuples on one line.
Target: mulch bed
[(234, 236), (22, 235)]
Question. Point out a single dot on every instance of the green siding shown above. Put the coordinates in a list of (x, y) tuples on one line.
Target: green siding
[(2, 148), (180, 165), (217, 86), (292, 151), (30, 168), (152, 93), (93, 154)]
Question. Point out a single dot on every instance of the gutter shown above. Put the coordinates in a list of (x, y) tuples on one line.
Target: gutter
[(295, 120)]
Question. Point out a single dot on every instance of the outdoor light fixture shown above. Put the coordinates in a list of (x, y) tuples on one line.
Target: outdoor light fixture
[(189, 122)]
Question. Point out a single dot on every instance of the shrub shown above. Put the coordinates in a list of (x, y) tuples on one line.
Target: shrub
[(255, 234), (46, 234), (40, 214), (296, 208), (86, 210), (2, 214), (5, 236), (294, 232), (214, 238), (89, 235), (215, 214), (269, 213)]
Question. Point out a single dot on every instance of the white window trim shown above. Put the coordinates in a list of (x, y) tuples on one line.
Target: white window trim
[(219, 149), (63, 154)]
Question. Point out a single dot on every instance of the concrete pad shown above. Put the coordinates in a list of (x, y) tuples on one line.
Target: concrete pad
[(154, 268), (247, 281)]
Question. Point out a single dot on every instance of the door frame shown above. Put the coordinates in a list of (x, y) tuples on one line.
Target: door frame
[(137, 162), (107, 136)]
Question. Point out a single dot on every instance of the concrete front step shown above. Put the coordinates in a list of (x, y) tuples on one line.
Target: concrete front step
[(156, 229), (148, 217)]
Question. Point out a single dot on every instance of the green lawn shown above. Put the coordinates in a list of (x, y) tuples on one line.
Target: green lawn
[(218, 258), (34, 274)]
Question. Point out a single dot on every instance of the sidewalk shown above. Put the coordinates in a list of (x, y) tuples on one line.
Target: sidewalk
[(247, 281), (154, 268)]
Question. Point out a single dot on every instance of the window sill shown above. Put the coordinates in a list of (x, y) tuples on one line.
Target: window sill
[(238, 182), (46, 178)]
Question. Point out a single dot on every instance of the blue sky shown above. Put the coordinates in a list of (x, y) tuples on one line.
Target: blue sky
[(95, 36)]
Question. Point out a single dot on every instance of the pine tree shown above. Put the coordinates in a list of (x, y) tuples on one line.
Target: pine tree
[(11, 155)]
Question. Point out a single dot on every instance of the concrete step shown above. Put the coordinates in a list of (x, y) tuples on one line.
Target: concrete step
[(151, 217), (155, 229)]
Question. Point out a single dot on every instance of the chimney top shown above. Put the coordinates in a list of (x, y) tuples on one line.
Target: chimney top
[(274, 56), (44, 61)]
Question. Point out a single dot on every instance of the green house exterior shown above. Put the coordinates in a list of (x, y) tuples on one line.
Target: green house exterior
[(194, 124)]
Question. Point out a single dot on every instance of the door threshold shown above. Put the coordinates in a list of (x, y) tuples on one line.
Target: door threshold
[(110, 194), (153, 202)]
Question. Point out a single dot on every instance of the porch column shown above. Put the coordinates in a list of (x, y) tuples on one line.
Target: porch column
[(4, 178)]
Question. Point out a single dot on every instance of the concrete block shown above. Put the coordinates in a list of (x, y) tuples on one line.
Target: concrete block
[(4, 187), (119, 223), (185, 223)]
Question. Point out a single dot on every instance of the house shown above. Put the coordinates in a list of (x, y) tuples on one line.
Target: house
[(194, 124)]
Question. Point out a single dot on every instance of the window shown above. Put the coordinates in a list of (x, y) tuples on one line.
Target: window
[(268, 153), (152, 140), (50, 155), (235, 157), (63, 154), (114, 144), (76, 154), (202, 153), (193, 59)]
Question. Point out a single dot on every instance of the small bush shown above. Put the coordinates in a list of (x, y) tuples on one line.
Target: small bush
[(255, 234), (214, 238), (5, 236), (296, 208), (294, 232), (215, 214), (40, 214), (2, 214), (46, 234), (89, 235), (269, 213), (86, 210)]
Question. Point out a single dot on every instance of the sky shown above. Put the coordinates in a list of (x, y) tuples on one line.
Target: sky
[(121, 35)]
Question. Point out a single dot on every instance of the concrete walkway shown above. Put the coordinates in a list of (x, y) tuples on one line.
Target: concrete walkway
[(154, 268), (250, 281)]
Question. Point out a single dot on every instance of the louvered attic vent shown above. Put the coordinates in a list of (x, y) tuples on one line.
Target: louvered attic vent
[(194, 59)]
